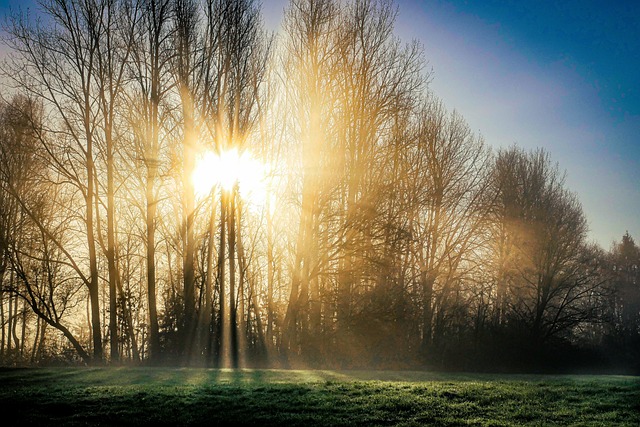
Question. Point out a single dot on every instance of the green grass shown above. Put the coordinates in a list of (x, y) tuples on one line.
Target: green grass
[(164, 396)]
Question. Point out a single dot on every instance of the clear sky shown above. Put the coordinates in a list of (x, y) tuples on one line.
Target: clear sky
[(562, 75)]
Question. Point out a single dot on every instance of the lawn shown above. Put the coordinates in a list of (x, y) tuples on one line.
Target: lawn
[(164, 396)]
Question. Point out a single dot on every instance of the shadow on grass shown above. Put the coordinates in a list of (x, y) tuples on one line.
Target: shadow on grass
[(189, 396)]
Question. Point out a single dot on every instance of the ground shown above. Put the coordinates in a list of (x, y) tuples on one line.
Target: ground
[(189, 396)]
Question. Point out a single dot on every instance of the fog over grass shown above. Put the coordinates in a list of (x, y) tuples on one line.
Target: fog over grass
[(161, 396)]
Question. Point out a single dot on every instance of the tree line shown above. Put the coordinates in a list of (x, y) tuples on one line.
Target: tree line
[(388, 233)]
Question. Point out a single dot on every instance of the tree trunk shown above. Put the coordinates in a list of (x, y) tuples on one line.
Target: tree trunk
[(205, 333), (221, 350), (232, 291), (188, 207), (154, 331), (427, 309), (270, 275), (111, 249), (242, 271)]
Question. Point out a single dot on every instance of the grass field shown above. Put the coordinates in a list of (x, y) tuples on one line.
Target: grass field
[(163, 396)]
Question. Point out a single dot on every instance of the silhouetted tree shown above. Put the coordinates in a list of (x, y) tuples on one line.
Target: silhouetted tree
[(547, 275), (149, 75), (622, 339), (35, 239)]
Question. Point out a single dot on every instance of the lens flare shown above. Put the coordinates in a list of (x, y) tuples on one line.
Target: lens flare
[(227, 169)]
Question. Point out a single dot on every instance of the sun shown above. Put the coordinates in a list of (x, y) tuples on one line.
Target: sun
[(228, 169)]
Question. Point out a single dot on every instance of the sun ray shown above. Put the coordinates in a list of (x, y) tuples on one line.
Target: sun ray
[(228, 169)]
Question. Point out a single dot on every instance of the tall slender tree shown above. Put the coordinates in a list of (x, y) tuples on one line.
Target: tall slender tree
[(148, 71)]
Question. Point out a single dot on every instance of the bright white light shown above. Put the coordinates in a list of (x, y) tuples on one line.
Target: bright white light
[(228, 169)]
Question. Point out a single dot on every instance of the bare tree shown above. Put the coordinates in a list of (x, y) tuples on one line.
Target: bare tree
[(150, 84), (448, 216), (236, 53), (379, 79), (552, 276), (186, 69), (625, 259), (34, 239), (58, 64), (112, 34), (310, 55)]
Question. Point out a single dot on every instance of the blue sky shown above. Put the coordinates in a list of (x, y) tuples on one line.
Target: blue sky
[(562, 75)]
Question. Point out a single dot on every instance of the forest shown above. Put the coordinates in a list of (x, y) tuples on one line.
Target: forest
[(180, 186)]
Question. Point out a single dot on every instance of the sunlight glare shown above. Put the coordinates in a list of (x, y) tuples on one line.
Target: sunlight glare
[(228, 169)]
